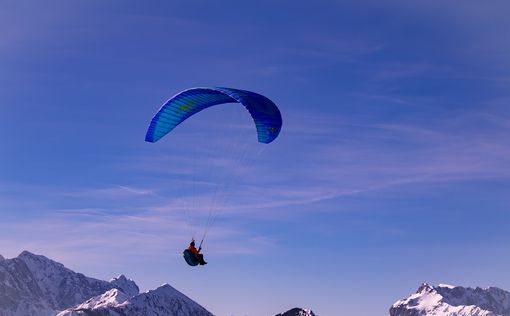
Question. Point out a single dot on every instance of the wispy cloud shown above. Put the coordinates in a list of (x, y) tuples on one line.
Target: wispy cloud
[(332, 157), (94, 233), (111, 192), (344, 158), (333, 48)]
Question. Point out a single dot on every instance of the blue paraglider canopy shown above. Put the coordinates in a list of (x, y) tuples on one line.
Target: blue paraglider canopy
[(265, 113)]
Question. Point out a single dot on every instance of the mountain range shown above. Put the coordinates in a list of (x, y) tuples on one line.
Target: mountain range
[(35, 285), (449, 300), (32, 284)]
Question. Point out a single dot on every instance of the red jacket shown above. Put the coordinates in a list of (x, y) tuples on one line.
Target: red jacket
[(193, 250)]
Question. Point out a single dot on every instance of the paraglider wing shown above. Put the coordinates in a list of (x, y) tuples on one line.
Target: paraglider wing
[(264, 112)]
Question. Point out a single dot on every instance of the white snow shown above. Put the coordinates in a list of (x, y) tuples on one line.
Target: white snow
[(111, 298)]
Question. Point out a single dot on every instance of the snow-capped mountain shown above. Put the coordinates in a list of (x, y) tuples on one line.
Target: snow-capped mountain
[(297, 312), (447, 300), (35, 285), (126, 285), (165, 300)]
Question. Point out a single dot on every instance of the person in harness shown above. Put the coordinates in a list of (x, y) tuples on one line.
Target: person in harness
[(193, 256)]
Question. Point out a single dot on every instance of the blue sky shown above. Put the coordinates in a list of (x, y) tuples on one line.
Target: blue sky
[(392, 167)]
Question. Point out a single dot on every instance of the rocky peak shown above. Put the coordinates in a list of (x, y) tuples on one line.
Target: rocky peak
[(126, 285), (424, 288), (297, 312)]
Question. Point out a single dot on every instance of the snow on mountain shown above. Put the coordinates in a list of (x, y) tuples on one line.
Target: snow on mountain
[(448, 300), (297, 312), (35, 285), (163, 301), (109, 298), (151, 302)]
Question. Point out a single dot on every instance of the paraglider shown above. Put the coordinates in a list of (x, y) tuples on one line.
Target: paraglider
[(265, 114), (193, 256)]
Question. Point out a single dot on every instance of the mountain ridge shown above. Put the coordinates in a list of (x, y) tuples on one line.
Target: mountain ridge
[(32, 284), (449, 300), (36, 285)]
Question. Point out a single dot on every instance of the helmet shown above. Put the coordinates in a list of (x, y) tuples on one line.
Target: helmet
[(192, 243)]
